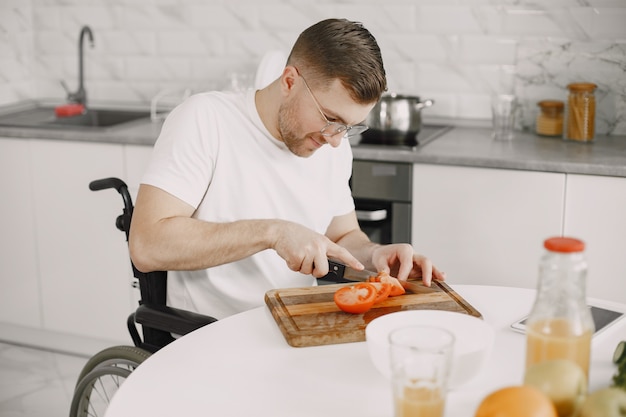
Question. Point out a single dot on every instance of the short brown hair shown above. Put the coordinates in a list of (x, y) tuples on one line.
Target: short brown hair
[(344, 50)]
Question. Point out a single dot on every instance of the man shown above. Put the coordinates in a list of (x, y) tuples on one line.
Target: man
[(242, 194)]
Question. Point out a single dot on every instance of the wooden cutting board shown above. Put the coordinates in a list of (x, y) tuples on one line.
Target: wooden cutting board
[(309, 316)]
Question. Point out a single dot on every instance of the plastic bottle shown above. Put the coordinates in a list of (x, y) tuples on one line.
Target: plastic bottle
[(560, 325)]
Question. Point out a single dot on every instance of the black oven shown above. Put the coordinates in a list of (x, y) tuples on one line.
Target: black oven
[(382, 195)]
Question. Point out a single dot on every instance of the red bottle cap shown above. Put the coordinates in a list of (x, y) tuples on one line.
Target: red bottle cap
[(564, 244)]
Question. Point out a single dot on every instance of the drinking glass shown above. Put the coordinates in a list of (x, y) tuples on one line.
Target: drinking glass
[(503, 116), (421, 357)]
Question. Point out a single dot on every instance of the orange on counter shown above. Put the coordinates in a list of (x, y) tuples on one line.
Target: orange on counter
[(516, 401)]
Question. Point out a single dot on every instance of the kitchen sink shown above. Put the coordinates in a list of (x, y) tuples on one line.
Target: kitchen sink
[(44, 117), (100, 118)]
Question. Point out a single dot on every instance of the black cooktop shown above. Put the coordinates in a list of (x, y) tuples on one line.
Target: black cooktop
[(426, 134)]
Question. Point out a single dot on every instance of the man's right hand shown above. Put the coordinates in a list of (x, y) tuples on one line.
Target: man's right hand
[(306, 251)]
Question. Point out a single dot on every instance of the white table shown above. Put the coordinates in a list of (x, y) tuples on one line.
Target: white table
[(242, 366)]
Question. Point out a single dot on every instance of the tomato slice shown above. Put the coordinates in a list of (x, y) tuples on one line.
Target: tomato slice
[(356, 299), (396, 286), (383, 289)]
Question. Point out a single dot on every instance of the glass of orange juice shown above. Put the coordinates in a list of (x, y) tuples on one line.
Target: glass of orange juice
[(421, 358)]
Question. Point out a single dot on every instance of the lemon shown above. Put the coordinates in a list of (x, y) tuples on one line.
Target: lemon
[(562, 380)]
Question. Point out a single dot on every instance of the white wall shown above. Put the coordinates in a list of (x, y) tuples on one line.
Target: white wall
[(455, 51)]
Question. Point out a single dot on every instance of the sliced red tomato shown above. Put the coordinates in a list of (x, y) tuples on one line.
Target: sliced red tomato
[(383, 289), (396, 286), (356, 299)]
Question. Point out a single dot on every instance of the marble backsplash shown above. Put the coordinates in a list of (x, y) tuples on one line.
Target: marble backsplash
[(545, 67), (457, 52)]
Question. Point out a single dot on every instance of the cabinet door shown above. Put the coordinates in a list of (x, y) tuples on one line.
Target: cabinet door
[(83, 258), (19, 282), (485, 226), (595, 211)]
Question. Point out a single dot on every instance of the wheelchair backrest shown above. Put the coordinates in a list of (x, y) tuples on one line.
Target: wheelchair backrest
[(152, 285)]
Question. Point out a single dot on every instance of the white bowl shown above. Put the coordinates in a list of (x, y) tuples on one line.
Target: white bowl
[(472, 347)]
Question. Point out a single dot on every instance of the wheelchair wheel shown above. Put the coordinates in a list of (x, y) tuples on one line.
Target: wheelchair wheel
[(128, 357), (102, 376)]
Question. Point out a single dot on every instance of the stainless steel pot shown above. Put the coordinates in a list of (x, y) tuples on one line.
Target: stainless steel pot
[(396, 119)]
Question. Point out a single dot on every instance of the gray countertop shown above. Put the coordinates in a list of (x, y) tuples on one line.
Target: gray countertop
[(461, 146), (474, 147), (139, 132)]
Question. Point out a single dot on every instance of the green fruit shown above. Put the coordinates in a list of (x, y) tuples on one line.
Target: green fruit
[(562, 380), (607, 402)]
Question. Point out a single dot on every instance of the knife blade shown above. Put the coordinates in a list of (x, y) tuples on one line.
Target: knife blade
[(341, 273)]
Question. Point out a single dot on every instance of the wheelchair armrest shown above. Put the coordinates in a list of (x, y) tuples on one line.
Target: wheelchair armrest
[(170, 319)]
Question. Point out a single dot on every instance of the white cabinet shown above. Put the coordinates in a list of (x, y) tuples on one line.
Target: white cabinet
[(83, 258), (19, 281), (65, 266), (596, 213), (485, 226)]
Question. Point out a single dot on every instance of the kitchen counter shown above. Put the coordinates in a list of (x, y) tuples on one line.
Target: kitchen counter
[(474, 147), (139, 132), (460, 146)]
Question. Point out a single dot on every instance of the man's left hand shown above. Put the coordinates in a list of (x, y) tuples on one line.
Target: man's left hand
[(401, 261)]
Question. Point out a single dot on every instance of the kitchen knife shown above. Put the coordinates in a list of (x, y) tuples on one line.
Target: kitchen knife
[(338, 272)]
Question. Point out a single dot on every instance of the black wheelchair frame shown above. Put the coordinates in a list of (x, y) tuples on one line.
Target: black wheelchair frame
[(104, 372)]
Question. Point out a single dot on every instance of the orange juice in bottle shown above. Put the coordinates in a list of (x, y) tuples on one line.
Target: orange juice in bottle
[(560, 325), (556, 339)]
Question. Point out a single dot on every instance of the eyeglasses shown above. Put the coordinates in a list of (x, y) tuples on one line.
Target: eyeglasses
[(333, 128)]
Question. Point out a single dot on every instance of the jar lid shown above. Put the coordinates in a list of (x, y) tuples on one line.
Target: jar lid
[(551, 104), (564, 244), (582, 86)]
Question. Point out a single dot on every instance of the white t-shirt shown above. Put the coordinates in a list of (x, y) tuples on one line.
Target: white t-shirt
[(215, 154)]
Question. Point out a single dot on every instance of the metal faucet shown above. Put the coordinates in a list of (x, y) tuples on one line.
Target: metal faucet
[(80, 96)]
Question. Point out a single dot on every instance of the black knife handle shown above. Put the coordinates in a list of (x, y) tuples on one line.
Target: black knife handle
[(336, 271)]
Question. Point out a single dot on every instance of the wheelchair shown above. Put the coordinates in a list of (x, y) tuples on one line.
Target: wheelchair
[(103, 373)]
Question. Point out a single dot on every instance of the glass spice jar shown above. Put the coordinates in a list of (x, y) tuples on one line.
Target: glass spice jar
[(581, 112), (550, 120)]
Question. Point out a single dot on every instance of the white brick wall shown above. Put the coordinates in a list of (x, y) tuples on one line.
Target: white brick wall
[(456, 52)]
